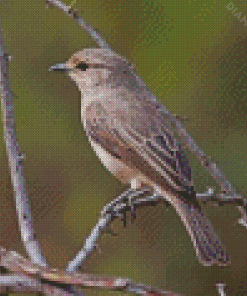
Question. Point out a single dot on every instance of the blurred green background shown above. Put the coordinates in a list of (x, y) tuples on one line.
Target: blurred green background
[(192, 54)]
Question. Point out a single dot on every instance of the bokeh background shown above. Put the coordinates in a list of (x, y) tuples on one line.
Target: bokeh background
[(192, 54)]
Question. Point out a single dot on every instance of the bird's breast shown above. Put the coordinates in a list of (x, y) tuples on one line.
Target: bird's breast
[(124, 173)]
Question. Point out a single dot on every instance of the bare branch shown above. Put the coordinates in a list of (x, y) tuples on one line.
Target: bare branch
[(130, 200), (16, 283), (19, 283), (15, 158), (108, 214), (28, 272), (73, 13), (206, 161)]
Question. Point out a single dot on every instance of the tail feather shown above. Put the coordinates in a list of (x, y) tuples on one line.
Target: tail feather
[(209, 248)]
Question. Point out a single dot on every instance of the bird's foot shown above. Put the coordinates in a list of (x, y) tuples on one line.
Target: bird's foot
[(126, 201)]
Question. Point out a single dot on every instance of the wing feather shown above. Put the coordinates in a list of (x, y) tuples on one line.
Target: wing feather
[(138, 141)]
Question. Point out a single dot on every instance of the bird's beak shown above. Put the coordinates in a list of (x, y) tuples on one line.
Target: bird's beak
[(60, 67)]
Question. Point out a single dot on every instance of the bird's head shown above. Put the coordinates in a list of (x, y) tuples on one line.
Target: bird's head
[(92, 67)]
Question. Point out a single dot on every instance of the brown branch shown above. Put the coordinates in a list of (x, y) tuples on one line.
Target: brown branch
[(19, 283), (27, 271)]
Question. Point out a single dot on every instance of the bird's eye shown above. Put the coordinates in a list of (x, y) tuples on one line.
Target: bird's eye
[(82, 66)]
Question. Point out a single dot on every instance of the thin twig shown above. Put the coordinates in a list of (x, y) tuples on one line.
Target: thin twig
[(128, 200), (101, 227), (15, 158), (73, 13), (216, 173)]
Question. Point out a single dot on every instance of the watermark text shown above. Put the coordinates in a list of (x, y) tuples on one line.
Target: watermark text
[(238, 14)]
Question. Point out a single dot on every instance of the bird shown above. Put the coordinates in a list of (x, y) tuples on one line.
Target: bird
[(134, 139)]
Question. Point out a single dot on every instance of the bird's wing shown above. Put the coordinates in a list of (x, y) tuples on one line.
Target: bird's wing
[(142, 141)]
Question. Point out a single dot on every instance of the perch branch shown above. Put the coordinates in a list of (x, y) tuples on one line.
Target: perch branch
[(130, 201), (117, 206)]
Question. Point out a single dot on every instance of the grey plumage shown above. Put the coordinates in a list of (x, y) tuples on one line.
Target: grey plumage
[(134, 140)]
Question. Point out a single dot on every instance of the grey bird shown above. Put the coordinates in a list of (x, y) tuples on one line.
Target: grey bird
[(134, 140)]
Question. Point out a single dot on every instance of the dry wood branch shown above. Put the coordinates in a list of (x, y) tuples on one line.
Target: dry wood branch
[(15, 158), (18, 283), (73, 13), (130, 200), (28, 272)]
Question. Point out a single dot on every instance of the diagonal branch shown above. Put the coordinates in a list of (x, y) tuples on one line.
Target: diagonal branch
[(72, 13), (116, 208), (130, 201)]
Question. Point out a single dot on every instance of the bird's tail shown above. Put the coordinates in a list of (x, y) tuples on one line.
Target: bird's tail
[(209, 248)]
